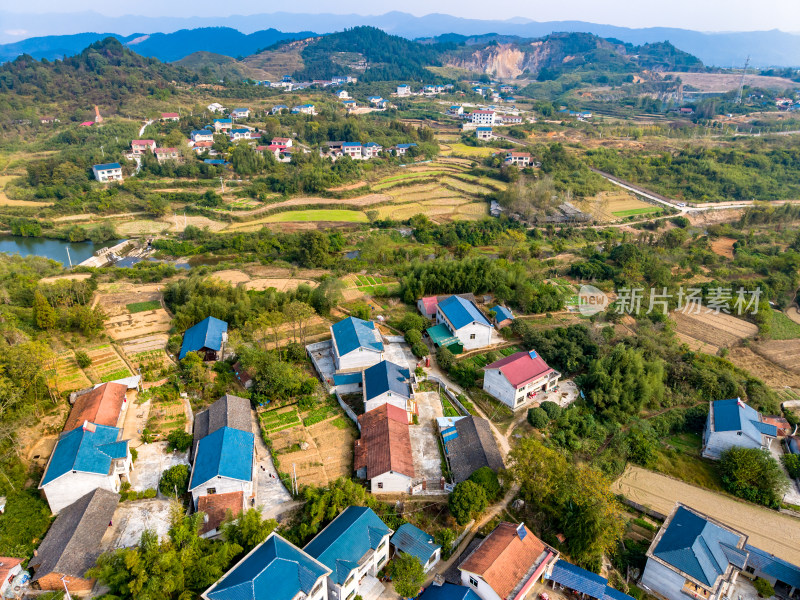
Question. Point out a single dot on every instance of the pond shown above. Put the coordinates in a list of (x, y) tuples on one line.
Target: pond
[(50, 248)]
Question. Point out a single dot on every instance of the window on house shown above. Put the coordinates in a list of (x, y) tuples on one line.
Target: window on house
[(472, 336), (751, 570), (383, 543), (351, 594), (738, 433), (348, 581), (380, 485), (473, 582), (381, 561), (316, 589), (211, 491)]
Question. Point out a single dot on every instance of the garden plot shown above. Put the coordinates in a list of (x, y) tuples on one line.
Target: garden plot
[(616, 204), (148, 353), (785, 353), (768, 371), (137, 324), (166, 415), (68, 376), (708, 331), (283, 284), (107, 364)]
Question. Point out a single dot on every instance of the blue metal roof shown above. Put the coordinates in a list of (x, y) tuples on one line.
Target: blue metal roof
[(384, 377), (347, 378), (694, 546), (461, 312), (405, 145), (206, 334), (351, 144), (342, 543), (484, 129), (371, 145), (502, 313), (412, 540), (612, 594), (106, 166), (735, 415), (353, 333), (774, 566), (227, 452), (238, 110), (448, 591), (223, 121), (578, 579), (242, 130), (275, 569), (86, 451)]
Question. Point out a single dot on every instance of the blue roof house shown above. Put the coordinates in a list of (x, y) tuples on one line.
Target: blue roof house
[(224, 462), (107, 172), (84, 459), (465, 322), (502, 316), (412, 540), (221, 124), (386, 383), (449, 591), (732, 423), (694, 555), (208, 338), (275, 569), (357, 344), (355, 546)]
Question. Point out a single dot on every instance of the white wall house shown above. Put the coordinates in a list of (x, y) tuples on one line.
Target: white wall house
[(515, 379), (386, 383), (484, 133), (483, 117), (224, 462), (107, 172), (357, 344), (732, 423), (87, 458), (356, 538), (383, 452), (403, 90), (465, 322)]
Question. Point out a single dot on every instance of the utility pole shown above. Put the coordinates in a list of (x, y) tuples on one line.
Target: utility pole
[(222, 183), (102, 151), (741, 83), (69, 258)]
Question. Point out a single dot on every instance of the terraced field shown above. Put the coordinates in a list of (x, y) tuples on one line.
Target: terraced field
[(107, 364), (68, 376), (708, 332)]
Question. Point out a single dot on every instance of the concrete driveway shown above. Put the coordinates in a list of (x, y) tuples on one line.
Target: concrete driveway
[(400, 354), (272, 497), (792, 495), (153, 460), (132, 518), (424, 444)]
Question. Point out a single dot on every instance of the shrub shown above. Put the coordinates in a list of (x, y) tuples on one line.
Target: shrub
[(412, 321), (83, 359), (309, 386), (419, 349), (407, 575), (174, 479), (445, 358), (487, 479), (134, 454), (150, 493), (538, 418), (754, 475), (174, 344), (552, 409), (763, 587), (792, 464), (179, 440), (295, 352), (413, 336), (467, 501)]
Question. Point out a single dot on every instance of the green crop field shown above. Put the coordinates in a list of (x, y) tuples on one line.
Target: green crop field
[(782, 327), (137, 307), (345, 216), (636, 211)]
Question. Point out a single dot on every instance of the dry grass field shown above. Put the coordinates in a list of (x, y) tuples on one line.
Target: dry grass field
[(282, 284), (614, 205), (709, 331), (121, 324), (723, 246), (769, 372), (785, 353)]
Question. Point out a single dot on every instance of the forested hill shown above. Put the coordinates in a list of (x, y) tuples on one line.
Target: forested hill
[(104, 73)]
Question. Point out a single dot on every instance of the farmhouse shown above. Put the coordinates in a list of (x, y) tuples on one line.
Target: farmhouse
[(163, 154), (216, 508), (356, 344), (464, 321), (202, 135), (511, 120), (342, 95), (278, 108), (518, 159), (304, 109), (228, 411), (101, 405), (387, 383), (502, 316), (170, 117), (383, 453), (239, 134), (507, 563), (355, 546), (10, 568), (376, 100), (107, 172), (85, 459), (517, 378), (401, 149), (483, 117), (484, 133), (142, 146), (224, 462), (427, 306), (352, 149), (282, 141), (732, 423), (455, 110), (371, 150), (243, 376), (208, 338), (216, 107), (468, 445), (223, 124), (240, 113), (72, 543), (403, 90), (784, 576), (412, 540), (693, 555), (274, 569), (583, 583), (48, 121)]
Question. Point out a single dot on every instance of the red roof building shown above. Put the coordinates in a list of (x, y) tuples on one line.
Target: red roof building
[(103, 405), (170, 117), (519, 377), (9, 568), (217, 507), (427, 306), (383, 454)]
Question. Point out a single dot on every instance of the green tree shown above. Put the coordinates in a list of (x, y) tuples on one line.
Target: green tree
[(552, 409), (764, 588), (487, 479), (82, 359), (407, 575), (43, 313), (538, 418), (752, 474), (792, 464), (174, 480), (249, 529), (467, 501), (179, 440)]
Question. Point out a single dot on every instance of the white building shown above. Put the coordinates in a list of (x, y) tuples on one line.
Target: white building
[(240, 113), (518, 159), (371, 150), (357, 344), (142, 146), (107, 172), (484, 133), (483, 117), (224, 462), (355, 546), (732, 423), (163, 154), (517, 378), (386, 383), (342, 95), (403, 90), (216, 107), (465, 322), (383, 452)]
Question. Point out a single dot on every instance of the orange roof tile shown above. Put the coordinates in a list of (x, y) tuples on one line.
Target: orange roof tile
[(216, 507), (385, 442), (7, 564), (101, 406)]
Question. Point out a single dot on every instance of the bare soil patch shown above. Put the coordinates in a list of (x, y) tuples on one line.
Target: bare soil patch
[(725, 82), (122, 324), (785, 353), (770, 373), (712, 330), (178, 223), (71, 276), (723, 246)]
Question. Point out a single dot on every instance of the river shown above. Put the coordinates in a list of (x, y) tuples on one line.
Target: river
[(50, 248)]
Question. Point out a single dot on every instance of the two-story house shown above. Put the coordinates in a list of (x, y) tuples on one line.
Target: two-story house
[(240, 113), (202, 135), (142, 146), (518, 159), (387, 383), (107, 172), (517, 378), (357, 344), (224, 463), (732, 423), (465, 322)]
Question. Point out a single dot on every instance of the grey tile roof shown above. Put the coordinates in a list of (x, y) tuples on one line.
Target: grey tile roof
[(474, 447), (228, 411), (72, 544)]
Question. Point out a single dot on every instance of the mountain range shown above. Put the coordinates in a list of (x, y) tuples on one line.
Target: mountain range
[(724, 49)]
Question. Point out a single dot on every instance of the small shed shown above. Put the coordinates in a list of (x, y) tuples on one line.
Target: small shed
[(207, 337), (503, 316), (442, 338), (412, 540)]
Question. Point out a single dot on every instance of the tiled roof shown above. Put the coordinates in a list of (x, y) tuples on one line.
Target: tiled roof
[(521, 367), (385, 443), (461, 312), (7, 563), (108, 166), (430, 303), (502, 313), (102, 406), (216, 507), (412, 540), (143, 142), (385, 377), (347, 539), (774, 566), (72, 543), (227, 452), (448, 591), (735, 415), (353, 333), (471, 446), (276, 569), (206, 334), (693, 545), (503, 560), (88, 449)]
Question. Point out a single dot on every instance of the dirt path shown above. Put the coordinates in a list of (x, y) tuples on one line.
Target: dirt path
[(794, 314)]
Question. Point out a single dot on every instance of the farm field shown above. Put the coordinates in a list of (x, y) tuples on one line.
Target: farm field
[(614, 205), (661, 493), (330, 215), (107, 364), (771, 373), (709, 331), (166, 415), (781, 327), (123, 323), (464, 150), (785, 353), (68, 376), (149, 354), (365, 284), (325, 433), (282, 284)]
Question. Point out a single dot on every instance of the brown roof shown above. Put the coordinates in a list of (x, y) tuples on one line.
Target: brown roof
[(474, 447), (503, 560), (385, 442), (72, 543), (6, 565), (216, 507), (101, 406)]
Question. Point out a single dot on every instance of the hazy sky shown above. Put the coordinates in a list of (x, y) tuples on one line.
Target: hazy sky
[(703, 15)]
